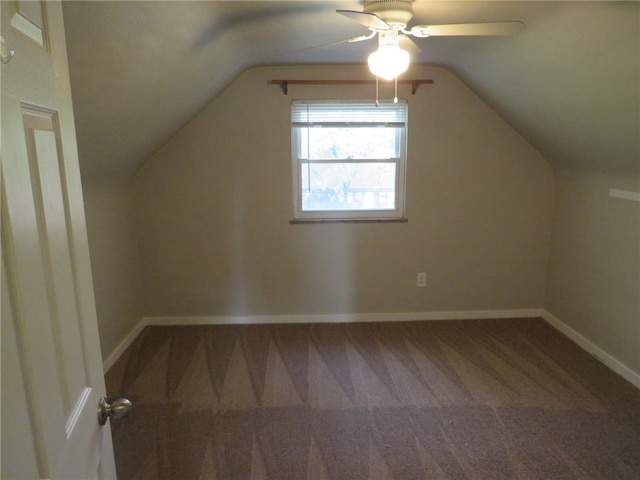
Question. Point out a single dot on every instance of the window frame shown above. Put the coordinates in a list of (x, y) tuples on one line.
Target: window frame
[(298, 163)]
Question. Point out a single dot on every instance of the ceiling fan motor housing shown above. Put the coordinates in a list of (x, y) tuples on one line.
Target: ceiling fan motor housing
[(396, 13)]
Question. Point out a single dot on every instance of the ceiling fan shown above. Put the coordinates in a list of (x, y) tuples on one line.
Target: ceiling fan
[(388, 19)]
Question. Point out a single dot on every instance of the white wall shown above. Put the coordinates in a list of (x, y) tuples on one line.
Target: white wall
[(215, 203), (594, 271), (112, 228)]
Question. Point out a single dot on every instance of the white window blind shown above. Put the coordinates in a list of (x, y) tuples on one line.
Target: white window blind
[(325, 114)]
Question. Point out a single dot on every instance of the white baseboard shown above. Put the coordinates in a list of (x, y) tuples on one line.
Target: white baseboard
[(333, 318), (586, 344), (344, 318), (607, 359), (123, 345)]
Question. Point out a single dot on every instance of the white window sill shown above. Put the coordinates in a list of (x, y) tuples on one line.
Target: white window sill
[(296, 221)]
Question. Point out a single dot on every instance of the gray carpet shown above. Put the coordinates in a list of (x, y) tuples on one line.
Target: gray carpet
[(488, 399)]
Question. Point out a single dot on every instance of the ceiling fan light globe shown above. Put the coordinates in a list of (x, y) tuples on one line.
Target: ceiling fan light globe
[(388, 61)]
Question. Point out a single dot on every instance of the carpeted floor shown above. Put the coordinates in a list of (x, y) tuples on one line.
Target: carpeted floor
[(488, 399)]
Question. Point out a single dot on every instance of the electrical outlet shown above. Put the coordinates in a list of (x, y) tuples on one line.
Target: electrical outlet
[(421, 281)]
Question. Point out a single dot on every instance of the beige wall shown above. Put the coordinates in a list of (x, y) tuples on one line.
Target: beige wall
[(115, 261), (215, 203), (594, 272)]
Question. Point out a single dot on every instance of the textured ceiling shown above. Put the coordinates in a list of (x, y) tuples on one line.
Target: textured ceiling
[(570, 83)]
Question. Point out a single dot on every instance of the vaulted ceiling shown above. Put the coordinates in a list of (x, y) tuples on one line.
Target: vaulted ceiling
[(569, 83)]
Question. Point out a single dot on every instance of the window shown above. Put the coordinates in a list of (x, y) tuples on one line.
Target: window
[(348, 159)]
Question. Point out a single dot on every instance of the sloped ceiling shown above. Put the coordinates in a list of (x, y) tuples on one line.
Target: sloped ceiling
[(570, 83)]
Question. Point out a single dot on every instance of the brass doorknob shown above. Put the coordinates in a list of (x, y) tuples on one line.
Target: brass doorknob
[(120, 408)]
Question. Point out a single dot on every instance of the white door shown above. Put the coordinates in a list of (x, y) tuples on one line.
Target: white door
[(52, 376)]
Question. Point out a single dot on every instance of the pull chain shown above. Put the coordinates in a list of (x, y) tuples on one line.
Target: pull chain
[(395, 98), (308, 153)]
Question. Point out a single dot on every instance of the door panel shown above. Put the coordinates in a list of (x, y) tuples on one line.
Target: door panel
[(15, 412), (28, 18), (54, 347), (52, 213)]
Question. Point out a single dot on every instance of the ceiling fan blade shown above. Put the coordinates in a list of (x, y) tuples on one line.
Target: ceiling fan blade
[(468, 29), (358, 38), (369, 20), (407, 44)]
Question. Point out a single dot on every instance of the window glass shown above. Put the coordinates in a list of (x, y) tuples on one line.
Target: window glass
[(348, 159)]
